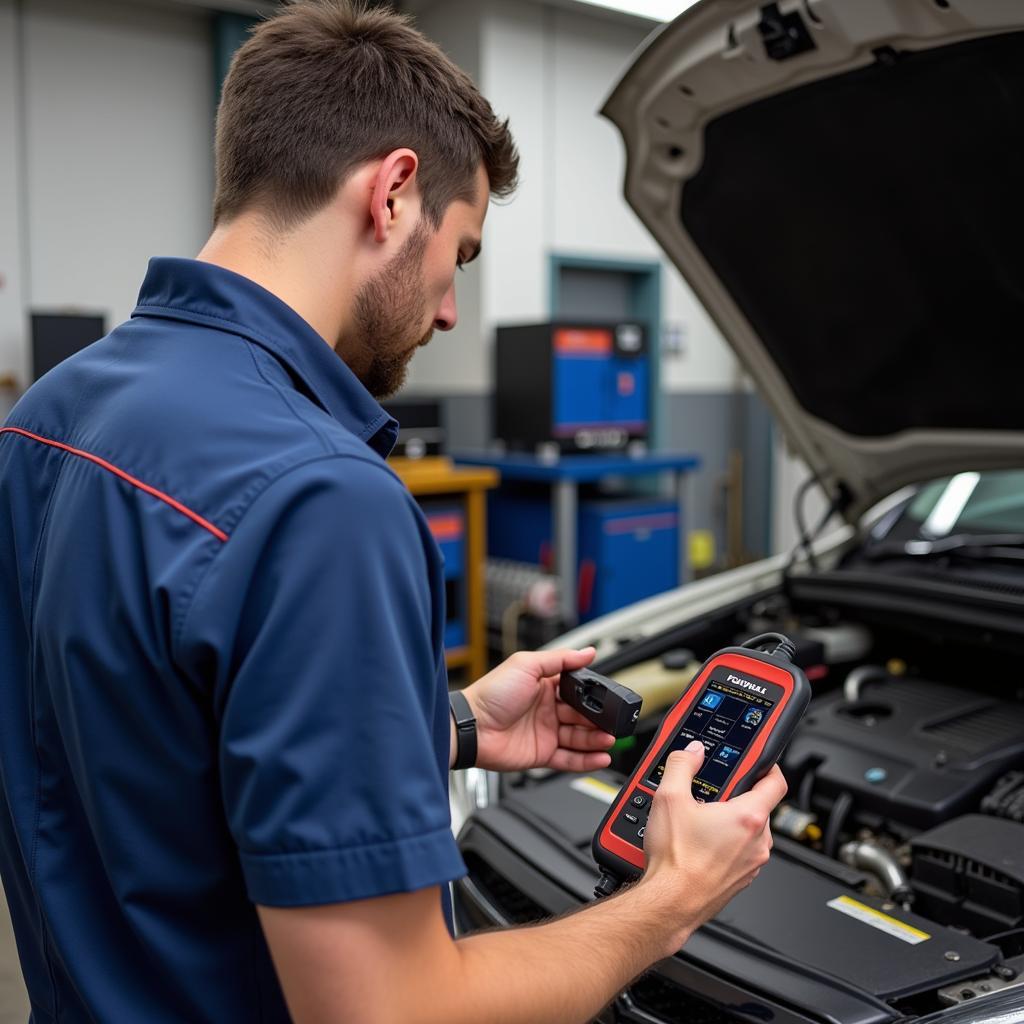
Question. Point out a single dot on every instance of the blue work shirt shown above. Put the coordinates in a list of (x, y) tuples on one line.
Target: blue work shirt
[(223, 681)]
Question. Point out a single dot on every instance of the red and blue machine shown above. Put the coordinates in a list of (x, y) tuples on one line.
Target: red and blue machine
[(582, 388)]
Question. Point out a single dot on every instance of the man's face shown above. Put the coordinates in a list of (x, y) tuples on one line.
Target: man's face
[(398, 310)]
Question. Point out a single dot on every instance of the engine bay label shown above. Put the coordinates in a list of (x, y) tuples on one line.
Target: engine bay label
[(883, 922), (596, 788)]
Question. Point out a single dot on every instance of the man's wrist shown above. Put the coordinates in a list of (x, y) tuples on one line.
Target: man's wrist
[(658, 903)]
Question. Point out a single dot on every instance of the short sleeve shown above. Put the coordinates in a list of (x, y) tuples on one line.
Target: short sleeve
[(317, 629)]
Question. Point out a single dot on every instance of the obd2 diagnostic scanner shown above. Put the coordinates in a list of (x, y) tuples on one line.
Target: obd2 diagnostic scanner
[(743, 705)]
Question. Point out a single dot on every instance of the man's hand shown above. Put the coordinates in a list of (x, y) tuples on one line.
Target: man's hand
[(390, 959), (522, 723), (701, 855)]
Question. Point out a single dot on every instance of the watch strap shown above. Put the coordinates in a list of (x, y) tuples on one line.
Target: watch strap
[(465, 730)]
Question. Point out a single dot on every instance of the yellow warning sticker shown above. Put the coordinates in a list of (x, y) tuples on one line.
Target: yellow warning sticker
[(883, 922), (596, 788)]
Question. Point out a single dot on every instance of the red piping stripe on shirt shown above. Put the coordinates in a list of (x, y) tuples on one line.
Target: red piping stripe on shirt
[(165, 498)]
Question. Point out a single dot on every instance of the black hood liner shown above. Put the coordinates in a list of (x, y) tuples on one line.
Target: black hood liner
[(870, 226)]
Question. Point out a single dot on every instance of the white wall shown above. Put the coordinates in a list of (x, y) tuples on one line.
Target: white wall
[(12, 350), (455, 362), (116, 99), (517, 80), (548, 69)]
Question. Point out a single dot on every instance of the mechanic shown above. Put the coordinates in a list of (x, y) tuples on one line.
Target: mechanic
[(224, 725)]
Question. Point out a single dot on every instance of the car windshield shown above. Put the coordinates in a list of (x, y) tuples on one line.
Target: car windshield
[(968, 503)]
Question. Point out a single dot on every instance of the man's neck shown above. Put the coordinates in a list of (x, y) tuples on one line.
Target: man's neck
[(301, 271)]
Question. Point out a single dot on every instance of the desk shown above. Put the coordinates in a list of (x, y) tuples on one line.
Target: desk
[(565, 474), (437, 476)]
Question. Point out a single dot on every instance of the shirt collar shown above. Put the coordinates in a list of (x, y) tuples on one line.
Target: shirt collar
[(198, 292)]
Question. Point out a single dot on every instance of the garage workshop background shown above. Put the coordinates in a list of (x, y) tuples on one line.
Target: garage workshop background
[(106, 119)]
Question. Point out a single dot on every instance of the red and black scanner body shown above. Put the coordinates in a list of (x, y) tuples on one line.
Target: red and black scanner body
[(744, 705)]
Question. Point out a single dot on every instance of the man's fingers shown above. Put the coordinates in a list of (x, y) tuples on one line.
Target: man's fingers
[(568, 715), (681, 767), (766, 794), (553, 663), (583, 737), (576, 761), (773, 787)]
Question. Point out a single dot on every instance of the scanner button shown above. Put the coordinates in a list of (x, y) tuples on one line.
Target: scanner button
[(639, 800), (631, 818)]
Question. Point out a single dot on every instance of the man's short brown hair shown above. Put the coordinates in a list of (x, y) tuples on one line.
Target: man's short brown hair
[(327, 85)]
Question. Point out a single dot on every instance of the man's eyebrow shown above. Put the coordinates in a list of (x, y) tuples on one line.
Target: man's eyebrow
[(474, 253)]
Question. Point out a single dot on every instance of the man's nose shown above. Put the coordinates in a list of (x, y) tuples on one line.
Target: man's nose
[(447, 315)]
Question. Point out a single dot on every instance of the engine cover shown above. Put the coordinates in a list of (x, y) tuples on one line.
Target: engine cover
[(915, 752), (969, 872), (804, 914)]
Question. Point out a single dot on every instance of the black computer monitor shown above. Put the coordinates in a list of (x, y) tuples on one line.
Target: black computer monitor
[(421, 428), (55, 336)]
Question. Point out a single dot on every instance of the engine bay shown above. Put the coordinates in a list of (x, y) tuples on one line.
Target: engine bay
[(899, 860), (908, 769)]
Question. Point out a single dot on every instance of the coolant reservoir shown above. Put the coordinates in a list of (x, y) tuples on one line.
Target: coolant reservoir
[(661, 680)]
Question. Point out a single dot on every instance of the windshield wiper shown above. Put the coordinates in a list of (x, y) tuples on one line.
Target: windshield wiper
[(1007, 547)]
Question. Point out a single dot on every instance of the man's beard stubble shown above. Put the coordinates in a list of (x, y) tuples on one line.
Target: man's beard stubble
[(386, 310)]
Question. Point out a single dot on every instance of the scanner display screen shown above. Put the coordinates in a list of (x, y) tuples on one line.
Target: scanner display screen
[(725, 719)]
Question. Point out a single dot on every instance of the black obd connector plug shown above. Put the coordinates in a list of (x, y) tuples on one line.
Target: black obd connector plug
[(609, 705)]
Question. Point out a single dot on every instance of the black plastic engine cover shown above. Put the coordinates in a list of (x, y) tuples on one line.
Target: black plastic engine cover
[(810, 920), (803, 912), (970, 873), (916, 752)]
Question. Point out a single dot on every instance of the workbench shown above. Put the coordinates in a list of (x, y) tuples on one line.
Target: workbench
[(435, 476)]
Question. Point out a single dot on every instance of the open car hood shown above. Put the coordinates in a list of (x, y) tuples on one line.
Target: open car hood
[(841, 182)]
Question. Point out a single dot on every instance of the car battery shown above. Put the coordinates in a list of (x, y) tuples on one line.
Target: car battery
[(627, 548), (580, 388), (447, 523)]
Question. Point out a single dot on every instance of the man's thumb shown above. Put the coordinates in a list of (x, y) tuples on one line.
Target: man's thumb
[(682, 765)]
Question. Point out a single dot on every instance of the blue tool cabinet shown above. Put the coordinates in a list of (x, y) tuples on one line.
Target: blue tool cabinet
[(627, 549), (447, 523), (634, 547)]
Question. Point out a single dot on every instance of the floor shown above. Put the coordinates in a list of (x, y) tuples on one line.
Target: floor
[(13, 1001)]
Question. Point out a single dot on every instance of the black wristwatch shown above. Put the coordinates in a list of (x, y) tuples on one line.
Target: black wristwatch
[(465, 730)]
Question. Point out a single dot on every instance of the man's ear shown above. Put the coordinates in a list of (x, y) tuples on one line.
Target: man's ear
[(393, 186)]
